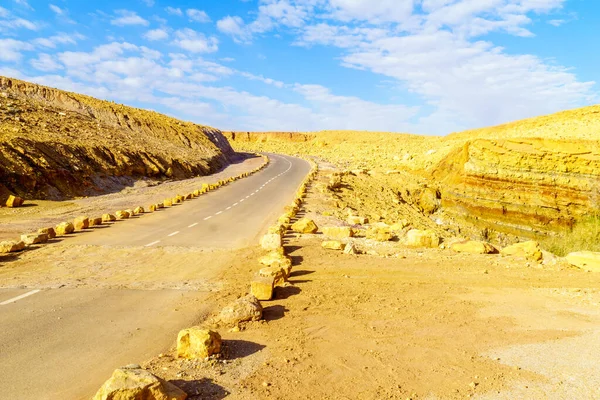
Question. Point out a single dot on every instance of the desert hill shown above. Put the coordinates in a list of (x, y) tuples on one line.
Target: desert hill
[(527, 177), (55, 144)]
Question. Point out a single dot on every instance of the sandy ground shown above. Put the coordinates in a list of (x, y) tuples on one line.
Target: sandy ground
[(41, 213), (398, 323)]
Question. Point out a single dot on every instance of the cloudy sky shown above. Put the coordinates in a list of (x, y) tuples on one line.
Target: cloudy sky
[(418, 66)]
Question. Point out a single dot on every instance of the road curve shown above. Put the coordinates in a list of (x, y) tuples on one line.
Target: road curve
[(62, 343)]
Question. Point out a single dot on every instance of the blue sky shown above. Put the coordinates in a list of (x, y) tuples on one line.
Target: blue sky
[(418, 66)]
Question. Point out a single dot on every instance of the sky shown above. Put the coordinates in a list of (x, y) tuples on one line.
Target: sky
[(418, 66)]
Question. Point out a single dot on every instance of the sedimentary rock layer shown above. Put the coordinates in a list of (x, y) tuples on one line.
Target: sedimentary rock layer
[(522, 183)]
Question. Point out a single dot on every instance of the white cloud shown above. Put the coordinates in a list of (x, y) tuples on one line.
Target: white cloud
[(156, 34), (11, 49), (4, 13), (61, 38), (197, 15), (174, 11), (557, 22), (24, 3), (149, 3), (56, 9), (128, 18), (17, 23), (195, 42), (234, 26), (45, 62)]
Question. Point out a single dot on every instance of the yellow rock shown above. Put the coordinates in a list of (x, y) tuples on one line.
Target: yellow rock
[(262, 287), (278, 274), (81, 223), (48, 231), (108, 218), (271, 241), (277, 258), (473, 247), (64, 228), (11, 246), (246, 308), (338, 232), (305, 225), (196, 193), (95, 222), (122, 215), (34, 238), (380, 232), (177, 200), (130, 212), (530, 250), (419, 238), (398, 226), (193, 343), (14, 201), (189, 196), (139, 210), (355, 220), (332, 245), (586, 260), (168, 202), (134, 383)]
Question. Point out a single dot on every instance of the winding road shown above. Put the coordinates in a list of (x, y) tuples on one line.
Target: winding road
[(63, 343)]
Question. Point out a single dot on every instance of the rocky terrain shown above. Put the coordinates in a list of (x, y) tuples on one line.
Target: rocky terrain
[(531, 178), (58, 145)]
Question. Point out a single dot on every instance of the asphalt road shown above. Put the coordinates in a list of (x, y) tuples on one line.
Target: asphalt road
[(63, 343)]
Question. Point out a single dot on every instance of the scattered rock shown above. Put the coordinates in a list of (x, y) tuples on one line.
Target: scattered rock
[(262, 286), (277, 258), (153, 208), (338, 232), (48, 231), (95, 222), (586, 260), (64, 228), (332, 245), (244, 309), (419, 238), (139, 210), (271, 241), (355, 220), (81, 223), (398, 226), (108, 218), (11, 246), (530, 250), (122, 215), (14, 201), (473, 247), (305, 225), (195, 343), (34, 238), (277, 273), (134, 383), (350, 249), (168, 203), (380, 232)]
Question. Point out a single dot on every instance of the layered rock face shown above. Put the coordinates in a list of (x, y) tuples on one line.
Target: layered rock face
[(522, 183), (55, 144)]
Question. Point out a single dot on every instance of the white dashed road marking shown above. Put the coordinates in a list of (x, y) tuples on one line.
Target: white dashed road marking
[(14, 299), (193, 225), (207, 218), (152, 244), (174, 233), (219, 213)]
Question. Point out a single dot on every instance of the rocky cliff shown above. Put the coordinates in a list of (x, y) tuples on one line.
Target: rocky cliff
[(55, 144)]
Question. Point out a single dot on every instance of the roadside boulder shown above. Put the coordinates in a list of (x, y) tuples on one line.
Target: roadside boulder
[(279, 274), (14, 202), (95, 222), (122, 214), (81, 223), (338, 232), (332, 245), (108, 218), (193, 343), (530, 250), (246, 308), (586, 260), (271, 241), (135, 383), (350, 249), (11, 246), (139, 210), (64, 228), (305, 225), (277, 258), (419, 238), (34, 238), (168, 202), (262, 287), (48, 231), (473, 247)]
